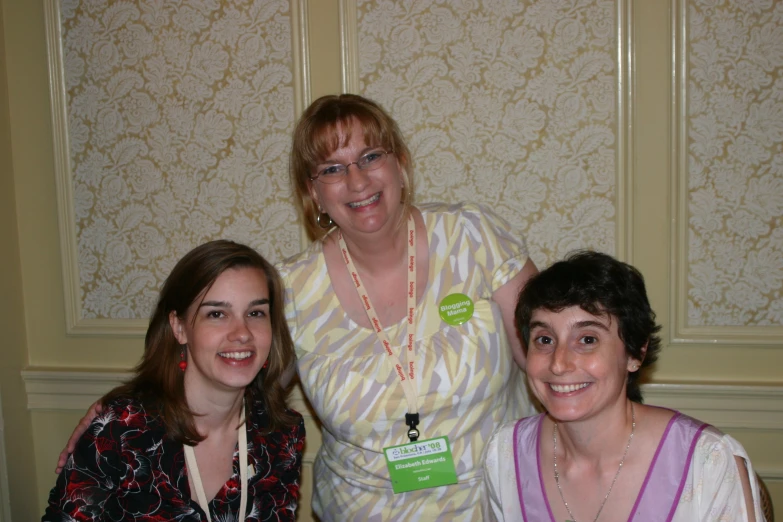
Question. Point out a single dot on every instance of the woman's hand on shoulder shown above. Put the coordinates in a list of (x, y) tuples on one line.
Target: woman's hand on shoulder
[(95, 409)]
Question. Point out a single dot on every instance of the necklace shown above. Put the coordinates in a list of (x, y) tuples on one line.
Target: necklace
[(557, 475)]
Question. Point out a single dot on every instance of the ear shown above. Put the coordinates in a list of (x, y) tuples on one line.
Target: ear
[(178, 328), (633, 363), (313, 194)]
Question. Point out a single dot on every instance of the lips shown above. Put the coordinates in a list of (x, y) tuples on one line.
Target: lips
[(369, 201), (568, 388)]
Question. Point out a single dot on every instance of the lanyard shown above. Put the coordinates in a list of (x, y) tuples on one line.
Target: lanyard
[(406, 373), (190, 458)]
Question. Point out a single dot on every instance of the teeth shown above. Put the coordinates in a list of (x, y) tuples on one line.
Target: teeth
[(368, 201), (567, 388), (236, 355)]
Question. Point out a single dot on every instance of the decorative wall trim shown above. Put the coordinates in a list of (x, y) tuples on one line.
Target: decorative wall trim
[(5, 494), (730, 407), (57, 390), (349, 46), (680, 332), (625, 131), (300, 47)]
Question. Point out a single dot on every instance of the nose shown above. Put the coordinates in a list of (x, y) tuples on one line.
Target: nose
[(356, 179), (561, 360), (240, 332)]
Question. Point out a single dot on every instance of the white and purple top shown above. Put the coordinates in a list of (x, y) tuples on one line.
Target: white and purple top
[(690, 452)]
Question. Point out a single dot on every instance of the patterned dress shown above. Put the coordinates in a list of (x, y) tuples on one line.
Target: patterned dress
[(703, 488), (125, 468), (469, 383)]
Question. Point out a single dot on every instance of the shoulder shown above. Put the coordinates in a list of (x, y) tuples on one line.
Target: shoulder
[(455, 211), (303, 259)]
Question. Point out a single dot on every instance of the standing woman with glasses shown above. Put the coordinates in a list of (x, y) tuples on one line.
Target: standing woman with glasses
[(402, 318)]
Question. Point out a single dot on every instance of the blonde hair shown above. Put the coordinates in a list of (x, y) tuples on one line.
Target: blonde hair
[(318, 134)]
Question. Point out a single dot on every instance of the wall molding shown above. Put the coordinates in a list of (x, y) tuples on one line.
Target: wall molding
[(681, 332), (58, 390), (5, 494), (727, 406)]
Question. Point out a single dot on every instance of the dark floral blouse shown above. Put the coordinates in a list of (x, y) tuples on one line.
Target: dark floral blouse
[(125, 468)]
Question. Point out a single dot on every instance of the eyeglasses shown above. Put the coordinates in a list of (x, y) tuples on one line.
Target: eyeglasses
[(369, 161)]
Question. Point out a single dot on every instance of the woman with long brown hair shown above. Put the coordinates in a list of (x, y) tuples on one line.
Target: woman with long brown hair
[(201, 432)]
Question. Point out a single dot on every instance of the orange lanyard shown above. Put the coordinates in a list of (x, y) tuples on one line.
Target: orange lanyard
[(407, 378)]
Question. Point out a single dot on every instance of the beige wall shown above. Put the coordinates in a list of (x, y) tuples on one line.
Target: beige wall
[(33, 316)]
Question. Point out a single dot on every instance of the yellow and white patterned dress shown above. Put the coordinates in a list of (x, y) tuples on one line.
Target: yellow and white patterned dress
[(469, 382)]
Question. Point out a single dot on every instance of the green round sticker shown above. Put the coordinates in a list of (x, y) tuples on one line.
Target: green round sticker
[(456, 308)]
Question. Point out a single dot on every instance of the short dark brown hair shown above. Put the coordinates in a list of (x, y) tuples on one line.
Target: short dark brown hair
[(603, 286), (159, 383), (317, 135)]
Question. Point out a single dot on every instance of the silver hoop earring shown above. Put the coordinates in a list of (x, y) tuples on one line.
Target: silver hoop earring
[(324, 220)]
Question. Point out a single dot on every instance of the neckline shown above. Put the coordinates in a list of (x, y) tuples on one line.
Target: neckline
[(644, 483), (353, 324)]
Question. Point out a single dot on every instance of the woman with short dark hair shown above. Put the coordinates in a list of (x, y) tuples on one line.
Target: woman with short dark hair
[(598, 453)]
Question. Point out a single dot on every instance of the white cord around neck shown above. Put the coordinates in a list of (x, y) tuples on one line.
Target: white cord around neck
[(201, 496)]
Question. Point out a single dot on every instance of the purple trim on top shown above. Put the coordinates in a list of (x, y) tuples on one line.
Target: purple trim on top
[(652, 464), (540, 473), (685, 472), (516, 468)]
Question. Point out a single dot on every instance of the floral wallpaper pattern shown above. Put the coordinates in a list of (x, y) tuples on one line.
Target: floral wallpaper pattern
[(735, 162), (179, 122), (504, 102)]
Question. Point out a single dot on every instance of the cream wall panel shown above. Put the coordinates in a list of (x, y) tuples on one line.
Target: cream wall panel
[(728, 176), (520, 106), (172, 127)]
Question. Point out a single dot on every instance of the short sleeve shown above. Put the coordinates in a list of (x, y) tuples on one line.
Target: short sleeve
[(498, 250), (714, 489), (499, 475)]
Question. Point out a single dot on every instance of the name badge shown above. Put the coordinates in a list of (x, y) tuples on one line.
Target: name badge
[(420, 465)]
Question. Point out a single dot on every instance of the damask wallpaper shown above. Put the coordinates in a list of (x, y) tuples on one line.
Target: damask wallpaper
[(735, 162), (507, 103), (179, 121)]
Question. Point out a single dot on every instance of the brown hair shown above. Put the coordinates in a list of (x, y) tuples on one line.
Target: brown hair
[(316, 136), (159, 383)]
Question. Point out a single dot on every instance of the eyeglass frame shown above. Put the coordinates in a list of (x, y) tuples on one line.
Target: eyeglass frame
[(335, 178)]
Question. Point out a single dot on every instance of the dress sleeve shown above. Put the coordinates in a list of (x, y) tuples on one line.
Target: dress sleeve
[(499, 252), (91, 476), (499, 498), (715, 493), (490, 505)]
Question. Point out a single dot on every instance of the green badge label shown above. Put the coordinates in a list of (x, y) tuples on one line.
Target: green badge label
[(456, 308), (420, 465)]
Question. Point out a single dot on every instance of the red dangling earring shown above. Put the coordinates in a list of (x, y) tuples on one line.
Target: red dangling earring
[(183, 364), (266, 363)]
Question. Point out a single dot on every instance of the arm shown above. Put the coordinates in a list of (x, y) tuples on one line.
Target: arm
[(506, 297), (94, 410), (90, 475)]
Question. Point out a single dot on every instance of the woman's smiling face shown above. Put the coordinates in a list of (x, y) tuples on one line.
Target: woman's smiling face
[(577, 365), (363, 201), (227, 330)]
